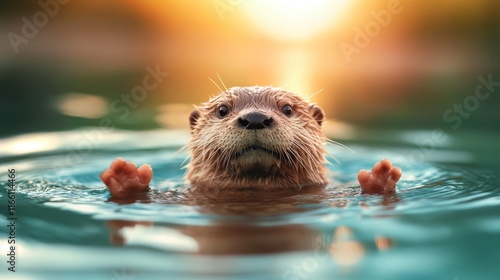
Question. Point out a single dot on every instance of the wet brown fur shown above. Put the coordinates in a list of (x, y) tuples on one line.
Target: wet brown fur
[(297, 142)]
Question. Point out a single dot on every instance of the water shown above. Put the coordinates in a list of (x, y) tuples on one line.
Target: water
[(443, 224)]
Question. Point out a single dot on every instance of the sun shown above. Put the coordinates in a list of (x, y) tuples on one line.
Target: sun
[(294, 20)]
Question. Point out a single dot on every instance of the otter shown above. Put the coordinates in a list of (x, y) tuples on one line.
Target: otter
[(261, 139)]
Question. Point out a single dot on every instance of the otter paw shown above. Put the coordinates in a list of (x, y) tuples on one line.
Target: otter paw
[(382, 178), (123, 178)]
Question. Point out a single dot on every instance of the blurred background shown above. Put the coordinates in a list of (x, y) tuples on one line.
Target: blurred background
[(377, 64)]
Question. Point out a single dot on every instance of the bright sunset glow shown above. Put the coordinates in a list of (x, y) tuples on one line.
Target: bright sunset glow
[(296, 65), (294, 20)]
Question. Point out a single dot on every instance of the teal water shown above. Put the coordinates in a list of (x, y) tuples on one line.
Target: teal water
[(444, 223)]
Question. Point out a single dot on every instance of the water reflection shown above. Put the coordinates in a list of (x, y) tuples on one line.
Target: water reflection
[(244, 224), (345, 250)]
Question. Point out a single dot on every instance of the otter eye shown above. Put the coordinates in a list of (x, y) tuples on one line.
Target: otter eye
[(222, 111), (287, 110)]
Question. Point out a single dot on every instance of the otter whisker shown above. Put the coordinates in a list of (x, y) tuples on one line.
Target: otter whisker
[(284, 156), (340, 145), (298, 158), (308, 97), (226, 160), (283, 87), (302, 149), (221, 81), (215, 84), (312, 160), (214, 163), (335, 159), (184, 148)]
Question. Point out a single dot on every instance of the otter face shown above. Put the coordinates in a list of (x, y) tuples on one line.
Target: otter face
[(256, 137)]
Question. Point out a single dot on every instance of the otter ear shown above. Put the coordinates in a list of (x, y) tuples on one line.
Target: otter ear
[(193, 118), (317, 113)]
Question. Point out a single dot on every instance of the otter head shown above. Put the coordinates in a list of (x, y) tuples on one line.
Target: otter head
[(256, 137)]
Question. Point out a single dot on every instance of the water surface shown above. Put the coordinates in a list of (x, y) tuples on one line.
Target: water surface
[(444, 223)]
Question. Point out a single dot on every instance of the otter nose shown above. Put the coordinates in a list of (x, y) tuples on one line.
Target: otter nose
[(255, 120)]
